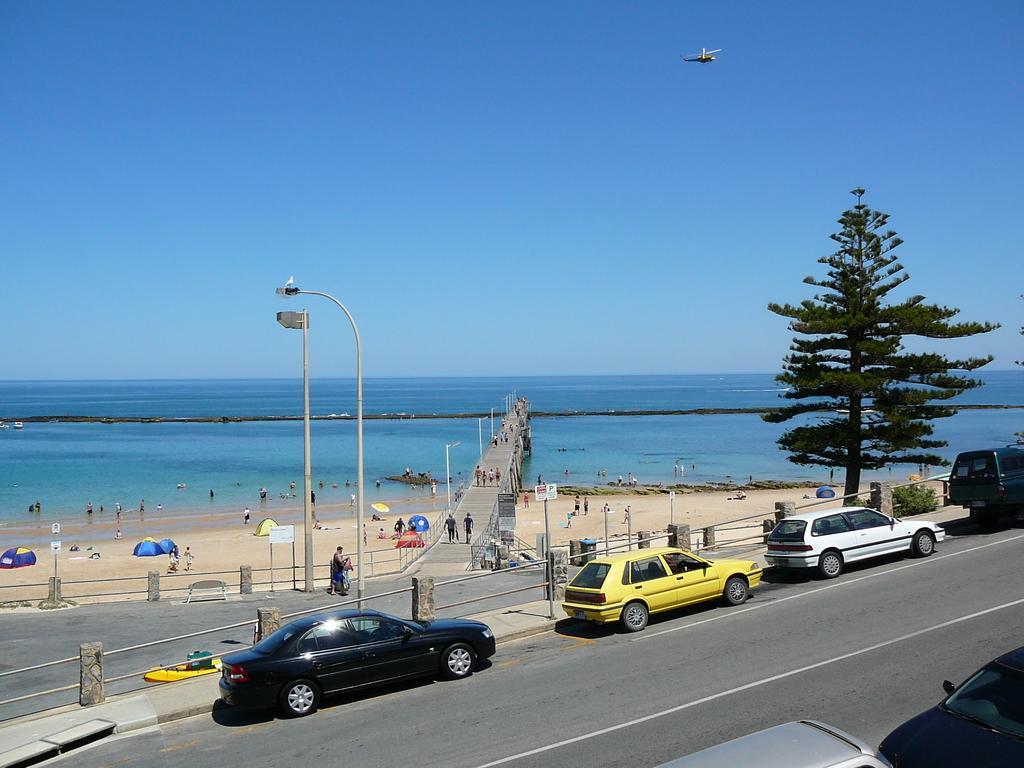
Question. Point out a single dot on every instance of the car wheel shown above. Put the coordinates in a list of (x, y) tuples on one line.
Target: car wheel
[(634, 616), (831, 564), (300, 698), (736, 591), (457, 661), (923, 544)]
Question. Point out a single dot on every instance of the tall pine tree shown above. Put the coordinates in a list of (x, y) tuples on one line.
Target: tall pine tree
[(848, 358)]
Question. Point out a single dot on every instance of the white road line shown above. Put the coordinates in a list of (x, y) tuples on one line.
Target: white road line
[(748, 686), (933, 559)]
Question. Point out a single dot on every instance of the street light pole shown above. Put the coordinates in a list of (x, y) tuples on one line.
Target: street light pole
[(301, 320), (292, 290), (480, 427)]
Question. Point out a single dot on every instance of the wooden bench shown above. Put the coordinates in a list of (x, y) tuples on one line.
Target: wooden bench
[(210, 589)]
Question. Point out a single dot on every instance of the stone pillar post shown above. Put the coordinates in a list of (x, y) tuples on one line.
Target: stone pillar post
[(500, 557), (784, 509), (269, 620), (90, 659), (153, 586), (881, 498), (679, 536), (53, 595), (709, 536), (559, 572), (423, 598), (767, 526), (641, 540), (245, 580)]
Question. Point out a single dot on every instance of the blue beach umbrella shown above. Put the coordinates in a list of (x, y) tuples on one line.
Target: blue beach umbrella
[(17, 557), (825, 492), (419, 522), (148, 548), (166, 545)]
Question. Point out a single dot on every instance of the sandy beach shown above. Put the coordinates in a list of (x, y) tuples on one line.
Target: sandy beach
[(220, 542)]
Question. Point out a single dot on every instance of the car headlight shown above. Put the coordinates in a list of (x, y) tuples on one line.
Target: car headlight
[(488, 634)]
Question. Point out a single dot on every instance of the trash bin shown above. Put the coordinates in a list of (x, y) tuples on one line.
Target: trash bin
[(200, 660), (588, 548)]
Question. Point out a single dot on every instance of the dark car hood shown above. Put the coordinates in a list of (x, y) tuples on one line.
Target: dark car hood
[(455, 625), (935, 739)]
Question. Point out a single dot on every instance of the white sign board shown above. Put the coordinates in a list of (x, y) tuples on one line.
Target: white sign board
[(547, 492), (55, 546), (55, 529), (282, 534)]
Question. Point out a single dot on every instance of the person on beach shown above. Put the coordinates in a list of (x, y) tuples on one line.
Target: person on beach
[(159, 507), (211, 499), (142, 506), (576, 505), (625, 516), (568, 519), (340, 565), (88, 509), (381, 534), (467, 522), (451, 526), (245, 518), (526, 499), (38, 507), (351, 501), (118, 534), (188, 559), (400, 526)]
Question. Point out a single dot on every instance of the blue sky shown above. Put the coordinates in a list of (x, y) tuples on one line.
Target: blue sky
[(513, 188)]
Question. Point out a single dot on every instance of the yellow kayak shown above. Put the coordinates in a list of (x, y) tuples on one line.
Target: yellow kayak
[(180, 672)]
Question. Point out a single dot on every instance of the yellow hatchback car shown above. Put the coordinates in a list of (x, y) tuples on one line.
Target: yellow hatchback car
[(630, 586)]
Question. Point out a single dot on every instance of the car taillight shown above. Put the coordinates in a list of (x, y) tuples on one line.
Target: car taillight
[(1002, 491), (585, 597), (790, 547), (235, 673)]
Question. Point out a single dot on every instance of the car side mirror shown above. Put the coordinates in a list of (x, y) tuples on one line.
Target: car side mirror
[(948, 687), (407, 633), (892, 522)]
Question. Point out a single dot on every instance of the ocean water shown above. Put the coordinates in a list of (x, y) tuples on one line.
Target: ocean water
[(64, 466)]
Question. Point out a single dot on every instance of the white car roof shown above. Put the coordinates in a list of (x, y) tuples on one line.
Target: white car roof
[(808, 516)]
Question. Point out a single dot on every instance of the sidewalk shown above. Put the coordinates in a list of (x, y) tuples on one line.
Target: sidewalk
[(56, 731)]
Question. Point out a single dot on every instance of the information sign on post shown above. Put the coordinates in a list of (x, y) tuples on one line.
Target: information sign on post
[(55, 529), (282, 534), (507, 518), (547, 492)]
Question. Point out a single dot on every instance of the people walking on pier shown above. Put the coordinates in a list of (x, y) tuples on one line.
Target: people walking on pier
[(467, 522), (451, 526), (476, 474), (497, 474)]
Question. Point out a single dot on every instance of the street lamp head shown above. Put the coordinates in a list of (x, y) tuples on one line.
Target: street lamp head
[(295, 320)]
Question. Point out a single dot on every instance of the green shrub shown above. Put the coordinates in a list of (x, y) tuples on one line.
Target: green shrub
[(913, 500)]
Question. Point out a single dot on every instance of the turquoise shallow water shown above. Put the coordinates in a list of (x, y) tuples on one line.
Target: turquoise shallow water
[(65, 466)]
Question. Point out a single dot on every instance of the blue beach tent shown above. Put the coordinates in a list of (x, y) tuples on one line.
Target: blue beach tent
[(166, 545), (17, 557), (825, 492), (419, 523), (148, 548)]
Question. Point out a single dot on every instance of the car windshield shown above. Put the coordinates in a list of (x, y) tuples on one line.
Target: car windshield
[(592, 576), (789, 530), (994, 698), (272, 642)]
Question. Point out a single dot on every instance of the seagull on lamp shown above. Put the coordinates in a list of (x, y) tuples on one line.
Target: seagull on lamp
[(289, 288)]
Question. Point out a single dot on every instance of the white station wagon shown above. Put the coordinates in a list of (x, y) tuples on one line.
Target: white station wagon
[(830, 538)]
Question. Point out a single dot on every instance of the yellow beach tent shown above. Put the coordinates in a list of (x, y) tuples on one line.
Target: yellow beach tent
[(263, 529)]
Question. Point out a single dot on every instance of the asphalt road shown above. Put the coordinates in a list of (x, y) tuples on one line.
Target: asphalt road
[(864, 653)]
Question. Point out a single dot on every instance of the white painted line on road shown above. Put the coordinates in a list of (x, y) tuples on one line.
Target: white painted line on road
[(748, 686), (933, 559)]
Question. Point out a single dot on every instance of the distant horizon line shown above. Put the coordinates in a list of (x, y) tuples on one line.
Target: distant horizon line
[(420, 377)]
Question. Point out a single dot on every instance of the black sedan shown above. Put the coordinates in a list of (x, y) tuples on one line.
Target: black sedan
[(980, 723), (341, 650)]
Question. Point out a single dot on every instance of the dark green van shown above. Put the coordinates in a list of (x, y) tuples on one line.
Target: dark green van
[(988, 482)]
